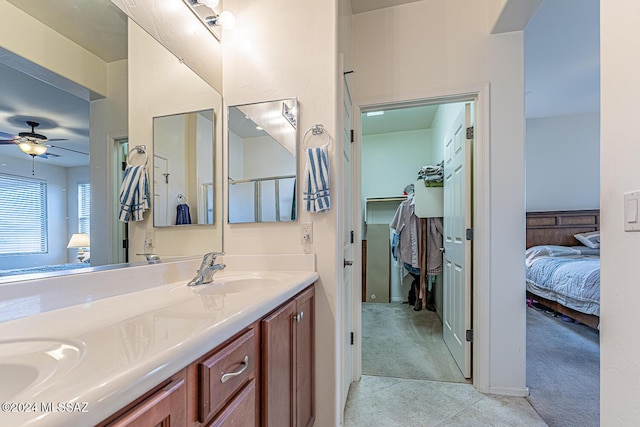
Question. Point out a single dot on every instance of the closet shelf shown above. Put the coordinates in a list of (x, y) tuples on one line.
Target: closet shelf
[(373, 202)]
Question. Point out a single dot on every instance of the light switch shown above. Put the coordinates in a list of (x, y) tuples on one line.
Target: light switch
[(631, 202)]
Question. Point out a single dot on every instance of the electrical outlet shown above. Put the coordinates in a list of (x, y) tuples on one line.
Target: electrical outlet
[(149, 237), (306, 232)]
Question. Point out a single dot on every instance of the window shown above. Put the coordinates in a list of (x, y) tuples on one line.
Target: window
[(84, 208), (23, 215)]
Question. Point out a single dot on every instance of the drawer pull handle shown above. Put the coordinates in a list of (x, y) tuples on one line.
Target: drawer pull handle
[(243, 367), (298, 316)]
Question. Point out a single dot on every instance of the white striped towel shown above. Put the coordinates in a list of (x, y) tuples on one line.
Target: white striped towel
[(316, 185), (134, 194)]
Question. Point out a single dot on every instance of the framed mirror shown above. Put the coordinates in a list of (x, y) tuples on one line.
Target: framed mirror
[(262, 143), (183, 169)]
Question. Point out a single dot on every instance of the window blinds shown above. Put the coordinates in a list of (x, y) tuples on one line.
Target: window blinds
[(84, 208), (23, 215)]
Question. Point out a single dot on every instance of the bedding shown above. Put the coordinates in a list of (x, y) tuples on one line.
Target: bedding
[(44, 269), (567, 275)]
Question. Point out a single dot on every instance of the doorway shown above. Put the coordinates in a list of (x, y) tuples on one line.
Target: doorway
[(400, 336)]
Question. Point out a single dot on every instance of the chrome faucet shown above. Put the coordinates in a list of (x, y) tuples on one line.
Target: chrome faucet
[(151, 258), (207, 269)]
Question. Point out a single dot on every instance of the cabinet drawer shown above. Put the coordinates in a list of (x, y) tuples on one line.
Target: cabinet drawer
[(224, 373), (241, 411)]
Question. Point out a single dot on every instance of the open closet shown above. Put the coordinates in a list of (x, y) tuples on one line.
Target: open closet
[(403, 197)]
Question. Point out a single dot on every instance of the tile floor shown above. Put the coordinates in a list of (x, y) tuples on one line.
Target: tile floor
[(390, 402)]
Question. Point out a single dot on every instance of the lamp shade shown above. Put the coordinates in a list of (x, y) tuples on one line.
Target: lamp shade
[(79, 240), (32, 149)]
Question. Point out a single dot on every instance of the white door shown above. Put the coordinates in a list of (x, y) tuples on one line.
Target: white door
[(160, 191), (347, 227), (457, 218)]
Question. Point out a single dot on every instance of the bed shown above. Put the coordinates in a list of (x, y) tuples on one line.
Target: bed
[(563, 274)]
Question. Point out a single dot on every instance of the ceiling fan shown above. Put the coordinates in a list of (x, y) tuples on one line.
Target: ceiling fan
[(34, 144), (31, 143)]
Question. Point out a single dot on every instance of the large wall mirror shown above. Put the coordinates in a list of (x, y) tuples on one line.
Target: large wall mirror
[(183, 169), (262, 161), (86, 103)]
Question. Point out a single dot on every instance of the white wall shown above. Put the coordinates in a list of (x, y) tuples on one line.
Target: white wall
[(108, 117), (173, 24), (410, 51), (160, 85), (563, 163), (51, 50), (56, 179), (619, 173), (262, 63), (390, 161)]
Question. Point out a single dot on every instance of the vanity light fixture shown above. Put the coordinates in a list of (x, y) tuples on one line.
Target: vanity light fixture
[(289, 113), (225, 20), (205, 10)]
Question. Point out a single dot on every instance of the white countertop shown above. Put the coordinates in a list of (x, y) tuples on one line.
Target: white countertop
[(129, 343)]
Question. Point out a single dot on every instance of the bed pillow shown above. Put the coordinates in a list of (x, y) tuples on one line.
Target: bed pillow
[(584, 250), (537, 252), (590, 240)]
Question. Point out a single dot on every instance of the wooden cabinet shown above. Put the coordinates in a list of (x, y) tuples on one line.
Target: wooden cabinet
[(264, 374), (164, 407), (226, 381), (288, 363)]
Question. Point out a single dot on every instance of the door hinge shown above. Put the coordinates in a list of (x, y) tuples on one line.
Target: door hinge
[(353, 137), (469, 336), (353, 237), (125, 244), (352, 338), (469, 233), (470, 132)]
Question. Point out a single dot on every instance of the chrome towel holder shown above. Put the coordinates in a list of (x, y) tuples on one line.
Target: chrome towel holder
[(138, 149), (317, 129)]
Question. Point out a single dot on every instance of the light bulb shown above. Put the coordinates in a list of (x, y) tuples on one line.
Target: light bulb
[(227, 20), (210, 3)]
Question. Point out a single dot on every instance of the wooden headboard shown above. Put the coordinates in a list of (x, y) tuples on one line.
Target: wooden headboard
[(558, 227)]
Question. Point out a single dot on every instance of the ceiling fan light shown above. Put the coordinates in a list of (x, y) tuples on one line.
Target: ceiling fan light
[(32, 149)]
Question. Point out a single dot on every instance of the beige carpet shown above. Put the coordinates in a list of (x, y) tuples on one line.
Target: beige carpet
[(402, 343)]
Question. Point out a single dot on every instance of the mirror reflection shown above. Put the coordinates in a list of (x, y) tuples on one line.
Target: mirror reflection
[(262, 161), (61, 206), (183, 169)]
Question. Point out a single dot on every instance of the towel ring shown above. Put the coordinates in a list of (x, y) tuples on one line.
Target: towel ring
[(138, 149), (316, 129)]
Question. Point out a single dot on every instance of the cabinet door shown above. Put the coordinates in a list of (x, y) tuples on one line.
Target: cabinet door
[(277, 361), (305, 354), (241, 411), (157, 410)]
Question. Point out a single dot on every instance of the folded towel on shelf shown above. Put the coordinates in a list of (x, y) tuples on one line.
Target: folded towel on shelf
[(316, 176), (134, 194)]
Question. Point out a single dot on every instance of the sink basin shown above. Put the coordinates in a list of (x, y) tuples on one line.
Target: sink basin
[(234, 283), (30, 364)]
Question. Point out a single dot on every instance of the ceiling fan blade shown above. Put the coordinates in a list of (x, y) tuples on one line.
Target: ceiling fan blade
[(7, 141), (57, 139), (68, 149), (43, 155), (6, 135)]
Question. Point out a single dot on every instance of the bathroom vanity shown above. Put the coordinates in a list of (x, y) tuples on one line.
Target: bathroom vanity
[(238, 351)]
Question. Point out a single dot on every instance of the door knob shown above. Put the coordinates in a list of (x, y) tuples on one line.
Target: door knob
[(441, 250), (346, 263)]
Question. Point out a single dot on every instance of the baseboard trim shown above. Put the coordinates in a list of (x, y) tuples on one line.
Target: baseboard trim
[(508, 391)]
